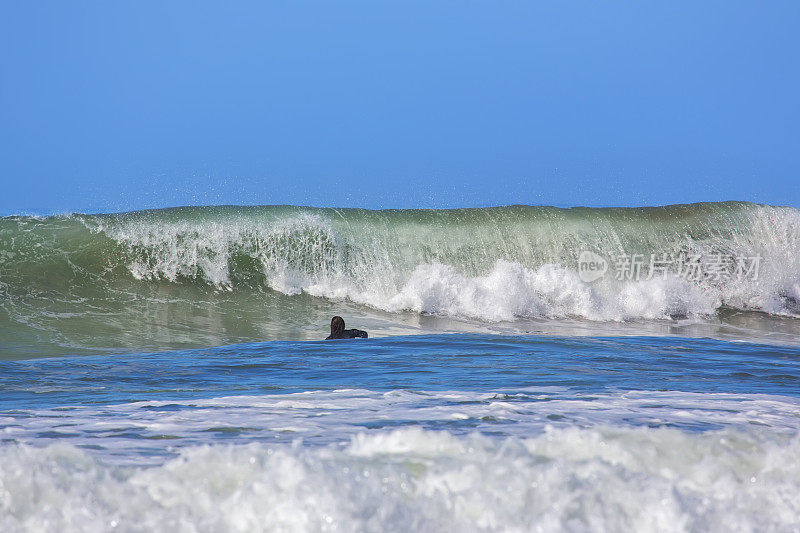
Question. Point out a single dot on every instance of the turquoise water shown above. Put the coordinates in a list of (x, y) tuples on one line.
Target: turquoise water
[(199, 277), (162, 371)]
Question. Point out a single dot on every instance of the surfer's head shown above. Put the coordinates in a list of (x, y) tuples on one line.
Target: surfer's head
[(337, 326)]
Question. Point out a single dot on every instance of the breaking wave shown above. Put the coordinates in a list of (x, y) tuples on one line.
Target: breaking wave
[(614, 479), (490, 264)]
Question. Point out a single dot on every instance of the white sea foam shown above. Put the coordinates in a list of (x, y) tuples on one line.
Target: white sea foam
[(511, 291), (538, 459), (598, 479), (150, 431), (499, 270)]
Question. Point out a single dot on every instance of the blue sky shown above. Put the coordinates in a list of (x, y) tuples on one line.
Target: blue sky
[(108, 106)]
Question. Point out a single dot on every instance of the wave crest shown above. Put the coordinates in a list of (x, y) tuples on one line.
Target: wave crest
[(493, 264)]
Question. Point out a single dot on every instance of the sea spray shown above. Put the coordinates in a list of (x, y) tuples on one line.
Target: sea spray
[(487, 264)]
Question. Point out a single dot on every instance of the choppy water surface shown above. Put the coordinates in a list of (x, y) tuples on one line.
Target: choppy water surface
[(457, 431), (157, 372)]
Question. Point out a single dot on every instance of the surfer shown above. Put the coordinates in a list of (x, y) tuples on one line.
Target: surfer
[(338, 331)]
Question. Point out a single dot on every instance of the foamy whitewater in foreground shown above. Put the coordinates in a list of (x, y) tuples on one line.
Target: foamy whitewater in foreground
[(419, 433), (411, 480), (161, 370)]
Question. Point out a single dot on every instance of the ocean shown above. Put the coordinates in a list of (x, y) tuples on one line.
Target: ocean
[(528, 369)]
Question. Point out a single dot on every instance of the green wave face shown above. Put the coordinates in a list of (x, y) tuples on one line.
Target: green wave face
[(198, 276)]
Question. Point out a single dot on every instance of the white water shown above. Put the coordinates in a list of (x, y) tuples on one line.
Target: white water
[(149, 431), (498, 269), (597, 479), (548, 459), (543, 459)]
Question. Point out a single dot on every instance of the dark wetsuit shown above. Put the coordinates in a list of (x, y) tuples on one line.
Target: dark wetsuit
[(338, 331), (349, 334)]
